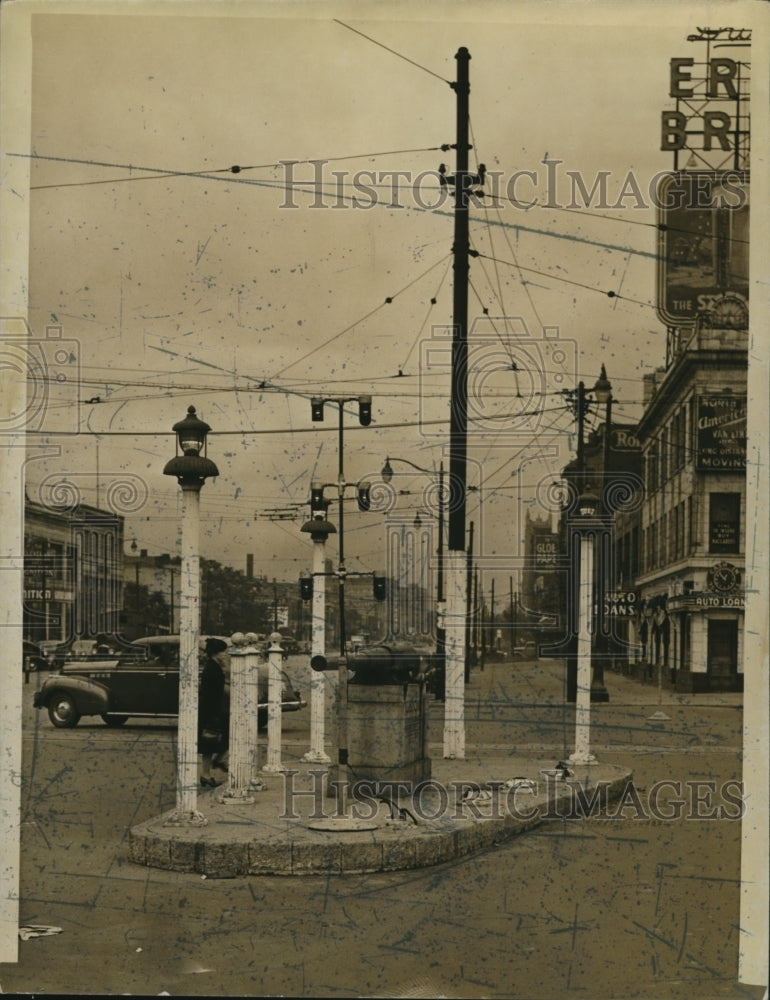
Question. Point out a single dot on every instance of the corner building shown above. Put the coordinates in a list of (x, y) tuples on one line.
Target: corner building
[(693, 518)]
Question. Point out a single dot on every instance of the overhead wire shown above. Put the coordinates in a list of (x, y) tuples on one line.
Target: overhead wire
[(392, 51), (210, 173), (267, 431), (433, 301), (579, 284), (388, 300)]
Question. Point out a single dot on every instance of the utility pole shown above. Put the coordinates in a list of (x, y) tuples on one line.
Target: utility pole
[(456, 647), (492, 633), (470, 621), (572, 656)]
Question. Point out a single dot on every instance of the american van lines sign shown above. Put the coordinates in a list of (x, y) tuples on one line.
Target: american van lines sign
[(721, 432)]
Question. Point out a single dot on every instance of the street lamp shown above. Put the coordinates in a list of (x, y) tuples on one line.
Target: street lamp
[(586, 524), (387, 475), (192, 468)]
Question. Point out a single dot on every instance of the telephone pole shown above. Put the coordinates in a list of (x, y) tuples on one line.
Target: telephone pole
[(456, 604)]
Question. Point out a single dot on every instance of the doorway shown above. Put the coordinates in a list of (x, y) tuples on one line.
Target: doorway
[(722, 648)]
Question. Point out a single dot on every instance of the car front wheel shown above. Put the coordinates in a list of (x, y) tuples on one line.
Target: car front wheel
[(115, 720), (62, 710)]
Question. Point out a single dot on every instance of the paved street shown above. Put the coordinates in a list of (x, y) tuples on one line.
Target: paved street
[(631, 906)]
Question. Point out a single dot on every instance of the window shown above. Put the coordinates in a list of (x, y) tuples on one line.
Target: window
[(676, 553), (724, 522), (652, 467), (635, 555)]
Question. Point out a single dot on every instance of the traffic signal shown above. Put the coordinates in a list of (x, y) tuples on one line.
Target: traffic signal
[(306, 587), (364, 496), (317, 497), (364, 410), (380, 588), (317, 409), (320, 663)]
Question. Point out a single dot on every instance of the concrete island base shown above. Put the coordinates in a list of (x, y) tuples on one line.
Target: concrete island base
[(294, 826)]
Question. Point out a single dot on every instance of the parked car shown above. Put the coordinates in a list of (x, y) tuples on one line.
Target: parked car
[(289, 644), (57, 653), (33, 658), (141, 683)]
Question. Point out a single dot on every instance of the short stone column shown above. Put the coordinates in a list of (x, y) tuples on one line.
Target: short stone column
[(239, 772), (252, 657), (274, 685)]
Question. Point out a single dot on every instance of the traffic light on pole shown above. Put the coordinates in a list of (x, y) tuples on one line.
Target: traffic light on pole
[(364, 410), (380, 588), (364, 496), (306, 588), (317, 409)]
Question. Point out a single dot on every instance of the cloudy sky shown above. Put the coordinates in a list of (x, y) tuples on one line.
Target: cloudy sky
[(178, 282)]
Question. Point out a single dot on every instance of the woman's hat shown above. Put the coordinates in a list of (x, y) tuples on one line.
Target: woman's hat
[(214, 646)]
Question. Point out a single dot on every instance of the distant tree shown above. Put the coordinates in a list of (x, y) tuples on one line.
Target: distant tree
[(145, 611), (231, 601)]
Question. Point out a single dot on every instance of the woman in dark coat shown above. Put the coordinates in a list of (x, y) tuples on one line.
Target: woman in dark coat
[(213, 714)]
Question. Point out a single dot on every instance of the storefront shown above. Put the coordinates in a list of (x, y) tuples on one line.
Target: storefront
[(710, 630)]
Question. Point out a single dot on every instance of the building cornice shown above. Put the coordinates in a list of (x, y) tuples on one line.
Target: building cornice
[(667, 390)]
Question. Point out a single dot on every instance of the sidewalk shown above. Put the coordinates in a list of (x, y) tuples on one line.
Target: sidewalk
[(545, 681)]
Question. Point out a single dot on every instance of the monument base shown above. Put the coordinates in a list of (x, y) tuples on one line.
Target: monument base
[(385, 736)]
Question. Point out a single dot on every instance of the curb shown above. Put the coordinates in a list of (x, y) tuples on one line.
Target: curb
[(240, 840)]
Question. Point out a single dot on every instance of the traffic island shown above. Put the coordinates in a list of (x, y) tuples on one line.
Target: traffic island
[(296, 827)]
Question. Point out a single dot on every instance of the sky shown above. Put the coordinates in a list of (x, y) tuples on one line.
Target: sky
[(177, 282)]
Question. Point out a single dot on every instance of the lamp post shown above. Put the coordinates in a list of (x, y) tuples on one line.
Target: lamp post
[(387, 475), (191, 469), (319, 530), (135, 555), (586, 525), (603, 395)]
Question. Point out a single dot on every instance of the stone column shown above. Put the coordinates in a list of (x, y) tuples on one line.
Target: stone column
[(237, 790), (274, 685), (251, 695)]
